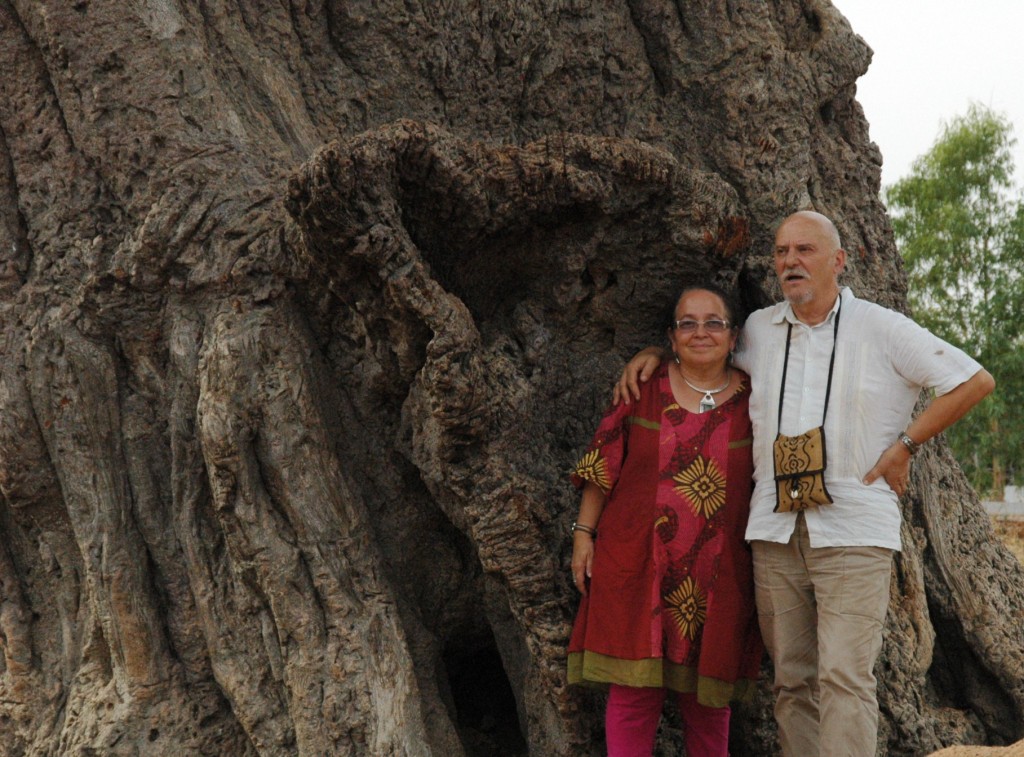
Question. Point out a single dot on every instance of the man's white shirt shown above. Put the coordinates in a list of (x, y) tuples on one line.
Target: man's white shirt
[(883, 360)]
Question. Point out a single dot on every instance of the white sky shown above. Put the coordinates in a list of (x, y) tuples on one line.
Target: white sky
[(932, 59)]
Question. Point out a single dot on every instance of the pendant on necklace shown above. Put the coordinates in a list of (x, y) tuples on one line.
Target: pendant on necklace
[(707, 402)]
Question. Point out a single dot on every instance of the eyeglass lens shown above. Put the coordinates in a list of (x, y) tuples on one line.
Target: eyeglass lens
[(712, 326)]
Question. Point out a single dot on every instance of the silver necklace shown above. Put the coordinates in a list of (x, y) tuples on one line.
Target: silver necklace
[(707, 402)]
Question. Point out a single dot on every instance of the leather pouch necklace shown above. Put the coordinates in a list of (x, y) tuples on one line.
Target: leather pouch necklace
[(800, 461)]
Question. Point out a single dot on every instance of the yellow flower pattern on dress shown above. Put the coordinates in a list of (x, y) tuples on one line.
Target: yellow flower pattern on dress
[(687, 606), (703, 484), (593, 467)]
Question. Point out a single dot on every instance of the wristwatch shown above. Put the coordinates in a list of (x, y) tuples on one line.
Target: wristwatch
[(909, 443)]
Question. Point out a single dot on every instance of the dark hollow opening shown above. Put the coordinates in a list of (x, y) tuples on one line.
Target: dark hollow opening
[(485, 707)]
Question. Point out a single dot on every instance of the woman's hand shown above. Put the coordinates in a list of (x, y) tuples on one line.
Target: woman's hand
[(591, 506), (638, 369), (582, 559)]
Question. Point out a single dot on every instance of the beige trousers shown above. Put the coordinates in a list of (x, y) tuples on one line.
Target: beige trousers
[(821, 613)]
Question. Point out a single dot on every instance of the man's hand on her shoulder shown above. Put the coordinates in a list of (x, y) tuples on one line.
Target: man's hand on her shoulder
[(638, 370)]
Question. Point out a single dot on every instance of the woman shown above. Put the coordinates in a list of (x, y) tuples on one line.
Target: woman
[(658, 550)]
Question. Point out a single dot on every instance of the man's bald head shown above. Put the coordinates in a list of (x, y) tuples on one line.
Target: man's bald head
[(828, 229)]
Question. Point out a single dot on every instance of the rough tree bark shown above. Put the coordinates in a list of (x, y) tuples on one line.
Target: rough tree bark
[(307, 308)]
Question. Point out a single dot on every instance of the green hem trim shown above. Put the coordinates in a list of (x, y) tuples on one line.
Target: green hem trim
[(593, 669)]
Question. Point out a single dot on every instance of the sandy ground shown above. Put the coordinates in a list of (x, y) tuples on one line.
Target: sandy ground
[(1011, 531), (1014, 750)]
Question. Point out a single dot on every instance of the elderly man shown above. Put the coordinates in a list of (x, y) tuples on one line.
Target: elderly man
[(822, 547)]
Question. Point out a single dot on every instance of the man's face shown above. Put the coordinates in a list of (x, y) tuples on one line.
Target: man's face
[(807, 260)]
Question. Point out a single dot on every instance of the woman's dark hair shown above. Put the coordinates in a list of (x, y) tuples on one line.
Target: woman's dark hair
[(728, 297)]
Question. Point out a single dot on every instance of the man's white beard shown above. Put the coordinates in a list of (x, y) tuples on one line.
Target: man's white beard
[(800, 299)]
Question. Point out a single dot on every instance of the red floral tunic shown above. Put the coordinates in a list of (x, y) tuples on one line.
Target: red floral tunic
[(671, 600)]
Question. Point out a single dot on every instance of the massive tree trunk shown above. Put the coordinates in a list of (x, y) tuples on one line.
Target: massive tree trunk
[(308, 307)]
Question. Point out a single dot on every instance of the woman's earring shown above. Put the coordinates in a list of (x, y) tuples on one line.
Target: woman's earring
[(677, 359)]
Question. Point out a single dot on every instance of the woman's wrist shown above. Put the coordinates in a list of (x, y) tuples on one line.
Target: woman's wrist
[(582, 528)]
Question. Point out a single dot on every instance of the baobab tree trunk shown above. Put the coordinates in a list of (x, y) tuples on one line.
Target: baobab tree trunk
[(307, 309)]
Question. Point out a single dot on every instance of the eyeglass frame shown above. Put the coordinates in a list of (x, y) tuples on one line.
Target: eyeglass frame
[(697, 324)]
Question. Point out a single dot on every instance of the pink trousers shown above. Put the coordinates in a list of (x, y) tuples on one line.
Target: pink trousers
[(631, 723)]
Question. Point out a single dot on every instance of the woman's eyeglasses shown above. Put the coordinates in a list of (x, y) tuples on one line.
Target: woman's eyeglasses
[(712, 326)]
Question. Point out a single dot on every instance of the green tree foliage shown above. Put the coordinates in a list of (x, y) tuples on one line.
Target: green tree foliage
[(959, 222)]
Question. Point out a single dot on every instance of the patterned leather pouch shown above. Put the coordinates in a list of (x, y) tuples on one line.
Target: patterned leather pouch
[(800, 471), (800, 460)]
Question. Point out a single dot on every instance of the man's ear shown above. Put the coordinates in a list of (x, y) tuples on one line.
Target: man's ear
[(840, 260)]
